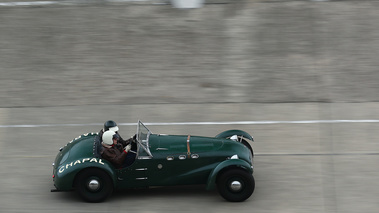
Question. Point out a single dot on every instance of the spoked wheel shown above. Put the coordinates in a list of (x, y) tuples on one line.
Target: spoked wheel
[(94, 185), (247, 144), (236, 185), (244, 142)]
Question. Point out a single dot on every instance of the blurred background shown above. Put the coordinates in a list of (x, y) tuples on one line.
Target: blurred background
[(68, 66)]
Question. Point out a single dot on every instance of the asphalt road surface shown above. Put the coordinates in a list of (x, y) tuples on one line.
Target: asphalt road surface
[(309, 157), (67, 68)]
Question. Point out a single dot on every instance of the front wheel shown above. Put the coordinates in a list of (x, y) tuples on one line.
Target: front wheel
[(236, 185), (93, 185)]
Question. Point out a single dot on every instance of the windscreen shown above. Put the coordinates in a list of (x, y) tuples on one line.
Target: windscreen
[(143, 139)]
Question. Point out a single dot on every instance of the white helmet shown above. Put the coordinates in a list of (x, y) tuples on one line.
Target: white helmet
[(114, 129), (107, 137)]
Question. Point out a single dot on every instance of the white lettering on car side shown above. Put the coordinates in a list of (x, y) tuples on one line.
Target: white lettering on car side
[(69, 164), (90, 160), (76, 162)]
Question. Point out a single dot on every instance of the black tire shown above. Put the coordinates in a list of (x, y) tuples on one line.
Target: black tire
[(93, 185), (235, 185)]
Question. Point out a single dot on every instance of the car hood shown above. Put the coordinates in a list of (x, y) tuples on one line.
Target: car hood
[(209, 146), (178, 143)]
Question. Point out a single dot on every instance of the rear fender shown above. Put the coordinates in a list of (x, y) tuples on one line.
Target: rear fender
[(231, 163), (230, 133)]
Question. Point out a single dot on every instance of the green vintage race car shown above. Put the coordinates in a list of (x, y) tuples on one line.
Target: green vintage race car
[(224, 162)]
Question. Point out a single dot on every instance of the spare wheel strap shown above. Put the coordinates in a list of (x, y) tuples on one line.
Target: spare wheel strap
[(188, 145)]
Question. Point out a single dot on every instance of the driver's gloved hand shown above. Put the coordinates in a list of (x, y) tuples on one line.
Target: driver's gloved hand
[(127, 148)]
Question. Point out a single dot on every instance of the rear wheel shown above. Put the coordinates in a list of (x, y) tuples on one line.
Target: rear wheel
[(235, 185), (94, 185)]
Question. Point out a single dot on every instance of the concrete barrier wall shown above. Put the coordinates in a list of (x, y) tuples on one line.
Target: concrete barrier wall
[(249, 51)]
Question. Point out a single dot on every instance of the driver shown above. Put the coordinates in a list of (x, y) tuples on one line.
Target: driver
[(115, 150), (111, 125)]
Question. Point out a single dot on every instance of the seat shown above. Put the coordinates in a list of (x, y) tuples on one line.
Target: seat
[(97, 147)]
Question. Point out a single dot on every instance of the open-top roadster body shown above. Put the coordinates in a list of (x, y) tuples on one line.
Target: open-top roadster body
[(224, 162)]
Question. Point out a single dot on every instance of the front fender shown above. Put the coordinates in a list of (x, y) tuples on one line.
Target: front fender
[(232, 132), (235, 163), (64, 175)]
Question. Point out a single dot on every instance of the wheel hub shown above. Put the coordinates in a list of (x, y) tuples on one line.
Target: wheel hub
[(93, 185), (235, 186)]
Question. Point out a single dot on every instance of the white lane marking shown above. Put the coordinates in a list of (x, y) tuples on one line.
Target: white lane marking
[(262, 122), (4, 114), (196, 123)]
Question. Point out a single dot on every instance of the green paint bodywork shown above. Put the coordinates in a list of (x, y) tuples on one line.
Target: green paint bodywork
[(169, 162), (76, 156)]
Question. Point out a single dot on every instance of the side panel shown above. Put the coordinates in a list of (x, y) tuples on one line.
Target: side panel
[(183, 160), (134, 176), (227, 163), (181, 169)]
